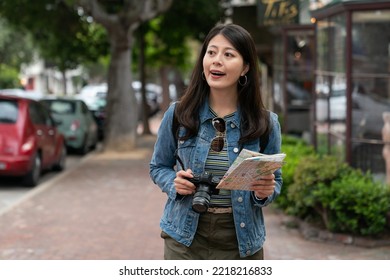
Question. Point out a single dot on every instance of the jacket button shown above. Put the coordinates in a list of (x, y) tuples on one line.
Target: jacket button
[(181, 142), (242, 225), (235, 150), (248, 252), (240, 199), (232, 125)]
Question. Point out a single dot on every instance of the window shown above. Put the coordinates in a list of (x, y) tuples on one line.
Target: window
[(330, 87), (61, 107), (352, 90), (8, 111)]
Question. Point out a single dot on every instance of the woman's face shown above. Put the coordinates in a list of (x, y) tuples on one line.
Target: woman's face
[(223, 64)]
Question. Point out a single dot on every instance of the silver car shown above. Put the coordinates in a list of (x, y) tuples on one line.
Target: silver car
[(75, 121)]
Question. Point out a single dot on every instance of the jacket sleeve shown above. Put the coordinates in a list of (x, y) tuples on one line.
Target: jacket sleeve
[(163, 161), (273, 147)]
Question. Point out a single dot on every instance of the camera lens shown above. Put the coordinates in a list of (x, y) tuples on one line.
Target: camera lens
[(201, 200)]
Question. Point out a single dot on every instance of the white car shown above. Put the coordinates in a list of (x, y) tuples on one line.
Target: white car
[(94, 96)]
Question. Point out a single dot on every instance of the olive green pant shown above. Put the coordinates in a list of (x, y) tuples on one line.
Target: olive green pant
[(215, 239)]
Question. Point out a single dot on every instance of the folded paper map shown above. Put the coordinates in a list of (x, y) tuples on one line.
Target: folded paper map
[(248, 167)]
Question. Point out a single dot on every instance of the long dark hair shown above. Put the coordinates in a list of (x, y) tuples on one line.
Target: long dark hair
[(254, 116)]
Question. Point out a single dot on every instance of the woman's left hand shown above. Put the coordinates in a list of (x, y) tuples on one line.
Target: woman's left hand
[(264, 187)]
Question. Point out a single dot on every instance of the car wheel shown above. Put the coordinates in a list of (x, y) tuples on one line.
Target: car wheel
[(60, 165), (95, 142), (84, 149), (32, 178)]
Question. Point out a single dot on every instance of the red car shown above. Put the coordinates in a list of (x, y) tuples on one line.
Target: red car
[(29, 140)]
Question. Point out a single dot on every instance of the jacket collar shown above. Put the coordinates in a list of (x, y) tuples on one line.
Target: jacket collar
[(205, 114)]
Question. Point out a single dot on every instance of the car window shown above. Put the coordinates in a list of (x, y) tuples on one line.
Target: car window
[(46, 114), (61, 107), (8, 111), (101, 94), (37, 114), (84, 108)]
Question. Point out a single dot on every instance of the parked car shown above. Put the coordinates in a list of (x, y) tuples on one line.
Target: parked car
[(99, 114), (29, 140), (95, 98), (22, 93), (153, 96), (93, 95), (75, 121)]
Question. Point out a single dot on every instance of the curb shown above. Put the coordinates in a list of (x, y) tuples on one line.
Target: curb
[(313, 233)]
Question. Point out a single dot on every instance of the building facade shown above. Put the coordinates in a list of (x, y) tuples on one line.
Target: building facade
[(352, 82), (329, 65)]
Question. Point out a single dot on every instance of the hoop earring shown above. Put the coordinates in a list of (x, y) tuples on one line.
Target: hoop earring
[(203, 76), (243, 83)]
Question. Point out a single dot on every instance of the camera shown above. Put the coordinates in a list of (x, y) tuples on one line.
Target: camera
[(205, 186)]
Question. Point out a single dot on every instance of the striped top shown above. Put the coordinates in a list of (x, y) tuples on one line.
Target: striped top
[(217, 163)]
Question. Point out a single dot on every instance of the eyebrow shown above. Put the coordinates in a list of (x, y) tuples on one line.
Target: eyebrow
[(228, 48)]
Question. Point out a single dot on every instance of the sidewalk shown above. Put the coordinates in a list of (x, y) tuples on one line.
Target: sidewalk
[(108, 209)]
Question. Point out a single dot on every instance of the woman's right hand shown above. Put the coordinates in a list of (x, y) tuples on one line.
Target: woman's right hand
[(182, 185)]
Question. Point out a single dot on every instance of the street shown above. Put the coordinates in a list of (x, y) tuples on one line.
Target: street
[(12, 190)]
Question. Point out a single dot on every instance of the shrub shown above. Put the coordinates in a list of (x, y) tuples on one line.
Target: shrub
[(312, 173), (295, 149), (342, 198), (357, 204)]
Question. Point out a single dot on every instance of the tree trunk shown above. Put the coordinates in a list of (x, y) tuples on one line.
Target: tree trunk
[(145, 108), (179, 83), (122, 120), (65, 88), (166, 99)]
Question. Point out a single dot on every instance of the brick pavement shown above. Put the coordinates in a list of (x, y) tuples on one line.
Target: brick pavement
[(108, 209)]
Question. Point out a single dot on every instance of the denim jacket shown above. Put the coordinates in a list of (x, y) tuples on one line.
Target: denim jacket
[(179, 220)]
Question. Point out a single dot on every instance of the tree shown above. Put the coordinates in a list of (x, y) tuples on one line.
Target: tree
[(119, 18), (15, 46), (63, 37), (80, 43), (167, 40), (15, 49)]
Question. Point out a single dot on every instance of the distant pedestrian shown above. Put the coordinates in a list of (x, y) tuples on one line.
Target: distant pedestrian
[(220, 113)]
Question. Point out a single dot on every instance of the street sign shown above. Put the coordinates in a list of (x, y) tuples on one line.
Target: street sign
[(277, 12)]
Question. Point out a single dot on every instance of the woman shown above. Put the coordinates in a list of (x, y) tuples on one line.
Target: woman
[(220, 113)]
